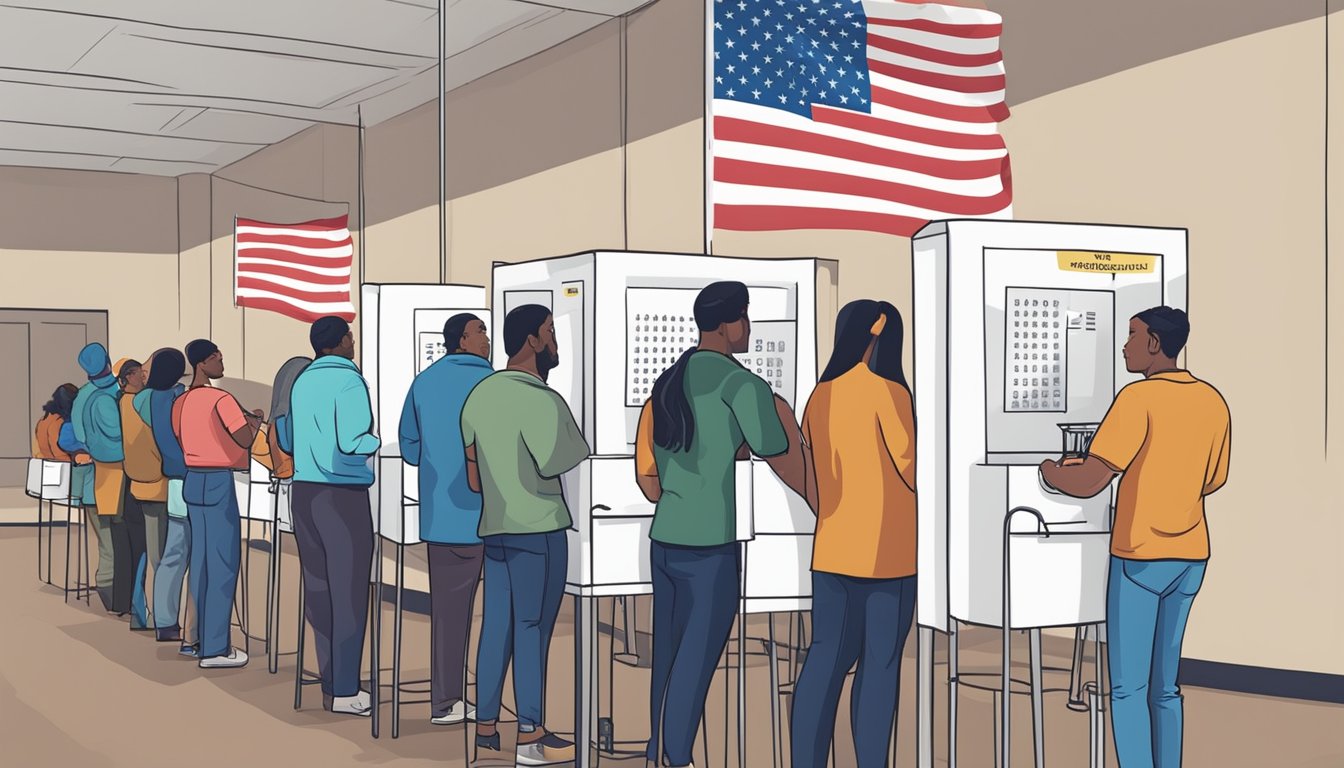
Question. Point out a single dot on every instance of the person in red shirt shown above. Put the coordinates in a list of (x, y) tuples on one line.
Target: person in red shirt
[(215, 434)]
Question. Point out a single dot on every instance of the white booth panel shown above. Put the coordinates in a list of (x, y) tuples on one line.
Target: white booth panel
[(775, 507), (1018, 328), (777, 567), (48, 480)]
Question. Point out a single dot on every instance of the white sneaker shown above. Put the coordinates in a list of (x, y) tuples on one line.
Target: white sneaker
[(236, 658), (359, 705), (548, 750), (461, 712)]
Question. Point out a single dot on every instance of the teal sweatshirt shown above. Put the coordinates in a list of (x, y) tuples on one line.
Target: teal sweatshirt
[(332, 423)]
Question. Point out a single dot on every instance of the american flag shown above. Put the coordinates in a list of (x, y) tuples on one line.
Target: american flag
[(872, 115), (299, 270)]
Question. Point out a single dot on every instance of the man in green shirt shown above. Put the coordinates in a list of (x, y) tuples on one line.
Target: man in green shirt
[(705, 413), (520, 437)]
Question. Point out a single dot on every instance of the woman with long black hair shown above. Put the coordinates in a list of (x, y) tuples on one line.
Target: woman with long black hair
[(704, 412), (860, 429)]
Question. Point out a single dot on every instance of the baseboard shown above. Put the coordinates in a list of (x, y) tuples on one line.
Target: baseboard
[(1263, 681)]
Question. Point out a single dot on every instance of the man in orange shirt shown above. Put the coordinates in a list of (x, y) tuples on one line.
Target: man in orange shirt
[(1169, 437)]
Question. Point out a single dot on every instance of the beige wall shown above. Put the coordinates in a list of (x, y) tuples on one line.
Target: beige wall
[(599, 144), (95, 241)]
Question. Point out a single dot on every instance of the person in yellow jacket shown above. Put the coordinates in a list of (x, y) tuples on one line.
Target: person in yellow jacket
[(147, 491), (859, 426), (131, 374)]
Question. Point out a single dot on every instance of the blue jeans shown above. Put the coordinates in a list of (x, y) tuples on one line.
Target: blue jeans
[(168, 578), (1147, 605), (853, 620), (696, 591), (216, 542), (524, 584)]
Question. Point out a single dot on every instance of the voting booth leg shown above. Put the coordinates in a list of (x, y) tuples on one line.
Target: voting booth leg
[(39, 539), (375, 637), (741, 685), (924, 713), (1077, 699), (298, 661), (585, 632), (1037, 696), (953, 690), (246, 583), (396, 643), (774, 697), (273, 603), (51, 523)]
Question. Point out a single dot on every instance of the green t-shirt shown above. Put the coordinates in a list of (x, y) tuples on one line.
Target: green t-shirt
[(730, 405), (525, 440)]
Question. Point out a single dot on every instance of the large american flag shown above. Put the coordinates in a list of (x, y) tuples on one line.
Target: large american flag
[(871, 115), (299, 270)]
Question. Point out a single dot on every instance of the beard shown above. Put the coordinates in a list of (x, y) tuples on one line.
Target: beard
[(547, 361)]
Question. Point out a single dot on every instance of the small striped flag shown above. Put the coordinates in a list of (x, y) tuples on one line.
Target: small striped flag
[(299, 270), (875, 115)]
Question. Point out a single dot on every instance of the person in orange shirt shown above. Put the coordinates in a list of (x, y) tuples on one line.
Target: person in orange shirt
[(1169, 437), (55, 414), (859, 427)]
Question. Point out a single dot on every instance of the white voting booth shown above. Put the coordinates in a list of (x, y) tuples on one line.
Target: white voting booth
[(621, 319), (401, 334), (1018, 334)]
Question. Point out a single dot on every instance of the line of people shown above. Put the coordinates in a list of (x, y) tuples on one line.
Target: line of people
[(491, 447)]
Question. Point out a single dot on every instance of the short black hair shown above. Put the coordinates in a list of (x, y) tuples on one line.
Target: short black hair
[(455, 328), (1170, 326), (327, 333), (166, 368), (126, 367), (198, 350), (522, 322)]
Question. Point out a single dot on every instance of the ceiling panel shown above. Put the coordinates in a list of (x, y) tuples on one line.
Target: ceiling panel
[(167, 87)]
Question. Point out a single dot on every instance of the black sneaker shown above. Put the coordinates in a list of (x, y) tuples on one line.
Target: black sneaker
[(171, 634)]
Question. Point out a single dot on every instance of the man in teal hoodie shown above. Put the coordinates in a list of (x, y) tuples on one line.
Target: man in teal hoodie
[(332, 437), (97, 424)]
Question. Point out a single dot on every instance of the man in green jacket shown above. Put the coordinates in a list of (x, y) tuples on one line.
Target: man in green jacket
[(520, 437), (332, 435)]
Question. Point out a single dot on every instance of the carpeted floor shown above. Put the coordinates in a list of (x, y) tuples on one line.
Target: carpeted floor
[(77, 688)]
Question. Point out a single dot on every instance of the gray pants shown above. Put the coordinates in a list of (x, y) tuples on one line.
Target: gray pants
[(156, 536), (454, 572), (102, 528), (334, 530)]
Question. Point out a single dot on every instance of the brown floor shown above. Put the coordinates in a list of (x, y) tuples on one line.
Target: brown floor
[(78, 689)]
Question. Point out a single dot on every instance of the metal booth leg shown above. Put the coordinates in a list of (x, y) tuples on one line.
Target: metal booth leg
[(273, 603), (953, 689), (396, 643), (1077, 699), (1037, 696), (298, 661), (774, 696), (924, 710)]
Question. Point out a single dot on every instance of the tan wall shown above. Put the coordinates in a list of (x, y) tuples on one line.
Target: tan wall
[(96, 241)]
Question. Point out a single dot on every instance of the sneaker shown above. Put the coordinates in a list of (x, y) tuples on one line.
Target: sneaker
[(359, 705), (236, 658), (548, 750), (460, 713), (168, 634), (190, 650)]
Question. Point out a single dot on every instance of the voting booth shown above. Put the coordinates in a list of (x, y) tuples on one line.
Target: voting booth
[(621, 318), (1018, 336)]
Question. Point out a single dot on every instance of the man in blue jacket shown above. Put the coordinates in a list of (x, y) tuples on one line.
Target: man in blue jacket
[(332, 431), (450, 511)]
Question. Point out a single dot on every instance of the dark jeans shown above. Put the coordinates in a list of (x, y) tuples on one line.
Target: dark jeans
[(524, 585), (696, 591), (454, 572), (853, 620), (334, 530), (129, 560), (216, 548)]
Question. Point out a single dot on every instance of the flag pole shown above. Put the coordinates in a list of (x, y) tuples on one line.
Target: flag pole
[(359, 114), (235, 261), (708, 82), (443, 220)]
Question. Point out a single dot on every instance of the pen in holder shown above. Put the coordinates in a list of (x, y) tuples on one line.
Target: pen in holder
[(1077, 441)]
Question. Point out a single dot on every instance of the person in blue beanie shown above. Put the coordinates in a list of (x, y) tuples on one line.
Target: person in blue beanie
[(331, 420), (96, 421)]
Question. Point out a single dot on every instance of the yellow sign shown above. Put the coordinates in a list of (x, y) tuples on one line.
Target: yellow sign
[(1107, 263), (571, 291)]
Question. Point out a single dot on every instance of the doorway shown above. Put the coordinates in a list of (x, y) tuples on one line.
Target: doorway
[(41, 347)]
